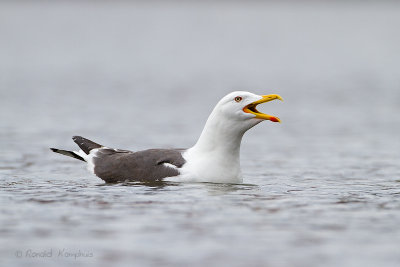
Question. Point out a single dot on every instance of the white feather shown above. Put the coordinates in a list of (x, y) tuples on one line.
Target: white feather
[(169, 165), (89, 159), (82, 154)]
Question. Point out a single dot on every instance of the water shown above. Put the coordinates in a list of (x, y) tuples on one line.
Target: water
[(321, 189)]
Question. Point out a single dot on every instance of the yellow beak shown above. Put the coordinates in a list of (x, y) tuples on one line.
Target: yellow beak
[(251, 108)]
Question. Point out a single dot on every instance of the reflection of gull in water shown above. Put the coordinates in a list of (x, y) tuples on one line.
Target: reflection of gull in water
[(223, 189), (214, 158)]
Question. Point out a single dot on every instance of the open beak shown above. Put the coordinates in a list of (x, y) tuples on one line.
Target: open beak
[(251, 108)]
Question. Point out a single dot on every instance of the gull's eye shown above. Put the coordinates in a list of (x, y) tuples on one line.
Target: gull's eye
[(238, 98)]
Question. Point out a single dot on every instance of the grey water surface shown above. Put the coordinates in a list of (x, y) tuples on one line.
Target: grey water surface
[(320, 189)]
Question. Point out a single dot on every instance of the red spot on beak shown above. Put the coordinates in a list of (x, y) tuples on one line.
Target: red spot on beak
[(274, 119)]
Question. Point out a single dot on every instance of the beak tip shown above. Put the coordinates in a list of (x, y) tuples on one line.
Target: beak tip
[(275, 119)]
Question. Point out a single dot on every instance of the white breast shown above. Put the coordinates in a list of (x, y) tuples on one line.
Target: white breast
[(209, 167)]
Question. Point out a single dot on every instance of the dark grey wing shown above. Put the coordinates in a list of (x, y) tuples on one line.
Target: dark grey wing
[(85, 144), (148, 165)]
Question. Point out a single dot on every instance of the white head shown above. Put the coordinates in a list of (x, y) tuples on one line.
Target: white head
[(238, 109), (233, 115)]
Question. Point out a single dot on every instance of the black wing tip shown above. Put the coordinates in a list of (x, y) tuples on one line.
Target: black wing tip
[(85, 144), (53, 149)]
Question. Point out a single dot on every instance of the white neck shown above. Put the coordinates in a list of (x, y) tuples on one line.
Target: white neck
[(219, 137), (216, 155)]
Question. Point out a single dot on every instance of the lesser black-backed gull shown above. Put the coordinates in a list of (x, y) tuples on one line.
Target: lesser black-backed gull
[(214, 158)]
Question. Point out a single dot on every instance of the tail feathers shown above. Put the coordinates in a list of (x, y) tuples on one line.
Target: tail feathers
[(85, 144), (68, 153)]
